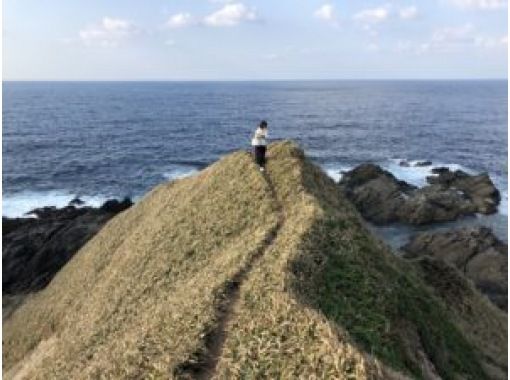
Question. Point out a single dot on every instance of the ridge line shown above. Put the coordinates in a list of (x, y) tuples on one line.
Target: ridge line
[(204, 368)]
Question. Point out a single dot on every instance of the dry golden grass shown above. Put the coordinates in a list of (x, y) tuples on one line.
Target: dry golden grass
[(324, 300), (273, 335), (138, 297)]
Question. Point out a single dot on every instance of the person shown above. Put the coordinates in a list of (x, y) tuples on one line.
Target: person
[(259, 144)]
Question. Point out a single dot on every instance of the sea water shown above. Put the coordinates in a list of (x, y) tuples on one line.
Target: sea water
[(97, 140)]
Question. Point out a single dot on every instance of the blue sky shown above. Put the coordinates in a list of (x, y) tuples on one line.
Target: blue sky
[(253, 39)]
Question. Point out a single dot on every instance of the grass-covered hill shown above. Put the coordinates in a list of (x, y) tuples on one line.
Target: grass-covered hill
[(236, 274)]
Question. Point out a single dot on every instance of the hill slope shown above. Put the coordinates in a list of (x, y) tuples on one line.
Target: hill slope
[(234, 274)]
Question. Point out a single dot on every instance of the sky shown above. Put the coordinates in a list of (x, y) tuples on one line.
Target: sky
[(254, 39)]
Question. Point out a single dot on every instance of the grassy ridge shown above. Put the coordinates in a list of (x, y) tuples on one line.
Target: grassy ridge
[(273, 335), (325, 299), (138, 298)]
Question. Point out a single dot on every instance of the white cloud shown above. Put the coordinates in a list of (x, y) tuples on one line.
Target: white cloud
[(231, 15), (170, 42), (491, 42), (448, 39), (179, 20), (108, 33), (113, 24), (325, 12), (408, 13), (373, 47), (272, 56), (453, 39), (456, 34), (372, 15), (479, 4), (404, 46)]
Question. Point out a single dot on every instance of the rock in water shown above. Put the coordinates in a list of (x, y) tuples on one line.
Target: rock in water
[(76, 202), (113, 205), (381, 198), (479, 188), (434, 203), (377, 194), (34, 249), (474, 251)]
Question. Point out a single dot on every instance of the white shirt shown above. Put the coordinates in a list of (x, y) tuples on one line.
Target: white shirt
[(259, 139)]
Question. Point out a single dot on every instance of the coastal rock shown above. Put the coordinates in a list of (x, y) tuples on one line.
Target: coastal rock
[(34, 249), (407, 164), (432, 204), (474, 251), (377, 194), (76, 202), (115, 206), (381, 198), (478, 188)]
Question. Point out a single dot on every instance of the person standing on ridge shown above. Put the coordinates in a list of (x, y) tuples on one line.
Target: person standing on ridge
[(259, 144)]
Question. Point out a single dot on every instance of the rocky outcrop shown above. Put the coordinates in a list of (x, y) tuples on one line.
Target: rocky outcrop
[(478, 188), (381, 198), (377, 194), (434, 203), (416, 163), (34, 249), (474, 251)]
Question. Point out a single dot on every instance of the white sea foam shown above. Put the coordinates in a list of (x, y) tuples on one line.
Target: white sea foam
[(417, 175), (503, 188), (503, 206), (335, 172), (180, 172), (18, 204)]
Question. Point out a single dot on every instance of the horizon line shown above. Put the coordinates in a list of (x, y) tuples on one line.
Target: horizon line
[(257, 80)]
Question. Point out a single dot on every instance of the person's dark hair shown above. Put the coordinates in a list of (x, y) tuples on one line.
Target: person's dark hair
[(263, 124)]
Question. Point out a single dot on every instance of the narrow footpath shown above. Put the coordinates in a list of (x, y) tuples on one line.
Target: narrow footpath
[(205, 367)]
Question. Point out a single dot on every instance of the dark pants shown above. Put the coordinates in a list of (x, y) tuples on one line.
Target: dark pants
[(260, 155)]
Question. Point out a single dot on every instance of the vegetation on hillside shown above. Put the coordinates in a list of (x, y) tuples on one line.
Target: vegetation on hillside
[(318, 297)]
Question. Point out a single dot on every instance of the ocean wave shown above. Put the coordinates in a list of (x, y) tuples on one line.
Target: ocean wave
[(180, 172), (417, 175), (19, 204), (336, 171)]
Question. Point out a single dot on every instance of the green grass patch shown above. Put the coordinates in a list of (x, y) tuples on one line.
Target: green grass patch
[(386, 309)]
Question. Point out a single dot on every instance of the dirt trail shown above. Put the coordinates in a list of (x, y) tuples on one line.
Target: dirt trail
[(204, 365)]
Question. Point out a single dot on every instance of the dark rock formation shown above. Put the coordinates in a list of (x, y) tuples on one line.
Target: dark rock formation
[(478, 188), (434, 203), (474, 251), (34, 249), (417, 163), (76, 202), (377, 194), (381, 198), (115, 206)]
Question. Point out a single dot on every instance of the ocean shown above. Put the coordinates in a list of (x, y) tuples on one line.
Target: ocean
[(98, 140)]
